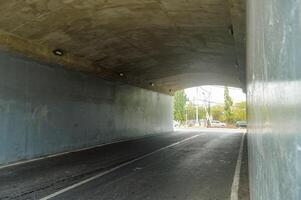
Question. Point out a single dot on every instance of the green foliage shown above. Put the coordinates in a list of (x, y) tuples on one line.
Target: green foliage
[(226, 113), (179, 106), (191, 112), (217, 113), (239, 112), (228, 106)]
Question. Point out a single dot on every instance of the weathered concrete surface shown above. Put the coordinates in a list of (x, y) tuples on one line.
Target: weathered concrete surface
[(46, 109), (274, 99), (150, 41), (243, 190), (238, 12)]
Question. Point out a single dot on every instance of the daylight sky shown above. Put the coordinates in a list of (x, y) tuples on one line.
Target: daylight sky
[(217, 94)]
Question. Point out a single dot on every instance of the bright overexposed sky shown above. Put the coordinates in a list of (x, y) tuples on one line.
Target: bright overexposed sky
[(217, 94)]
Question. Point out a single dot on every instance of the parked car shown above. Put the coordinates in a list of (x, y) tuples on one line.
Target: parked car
[(241, 124), (217, 124), (176, 124)]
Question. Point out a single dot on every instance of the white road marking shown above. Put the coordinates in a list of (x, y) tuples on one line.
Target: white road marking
[(235, 184), (68, 152), (113, 169)]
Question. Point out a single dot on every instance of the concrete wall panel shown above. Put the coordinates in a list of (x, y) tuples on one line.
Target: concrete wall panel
[(274, 99), (46, 109)]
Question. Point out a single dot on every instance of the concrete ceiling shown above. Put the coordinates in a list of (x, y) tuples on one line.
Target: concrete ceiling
[(174, 44)]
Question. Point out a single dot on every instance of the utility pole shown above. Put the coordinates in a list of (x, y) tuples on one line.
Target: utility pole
[(197, 108), (209, 114), (197, 116), (207, 106)]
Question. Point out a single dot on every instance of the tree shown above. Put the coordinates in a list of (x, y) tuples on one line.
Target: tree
[(217, 113), (191, 111), (239, 111), (228, 106), (179, 106)]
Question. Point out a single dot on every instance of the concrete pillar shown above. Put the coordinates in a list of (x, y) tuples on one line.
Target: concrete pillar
[(274, 98)]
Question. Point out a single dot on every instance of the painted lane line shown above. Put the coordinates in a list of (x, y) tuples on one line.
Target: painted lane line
[(114, 168), (69, 152), (235, 184)]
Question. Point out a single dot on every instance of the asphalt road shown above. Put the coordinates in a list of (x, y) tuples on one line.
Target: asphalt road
[(185, 165)]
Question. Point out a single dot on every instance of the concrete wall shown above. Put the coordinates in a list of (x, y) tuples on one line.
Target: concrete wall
[(274, 98), (46, 109)]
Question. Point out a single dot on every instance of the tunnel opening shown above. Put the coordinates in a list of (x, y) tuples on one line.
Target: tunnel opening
[(210, 106)]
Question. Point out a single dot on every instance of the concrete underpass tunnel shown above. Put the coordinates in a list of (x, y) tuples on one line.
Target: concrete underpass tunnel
[(76, 74)]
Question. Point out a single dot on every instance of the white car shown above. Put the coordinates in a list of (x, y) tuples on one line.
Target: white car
[(217, 124)]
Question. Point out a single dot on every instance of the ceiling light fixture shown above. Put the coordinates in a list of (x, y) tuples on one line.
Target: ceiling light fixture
[(152, 84), (121, 74), (58, 52)]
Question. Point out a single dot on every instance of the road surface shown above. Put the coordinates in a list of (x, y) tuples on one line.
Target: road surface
[(185, 165)]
